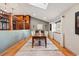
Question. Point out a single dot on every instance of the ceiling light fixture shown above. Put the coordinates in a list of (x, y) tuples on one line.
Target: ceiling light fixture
[(5, 6), (12, 10)]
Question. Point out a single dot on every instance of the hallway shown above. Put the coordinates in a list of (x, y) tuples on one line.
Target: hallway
[(27, 50)]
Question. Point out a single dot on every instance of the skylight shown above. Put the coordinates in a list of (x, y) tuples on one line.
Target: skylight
[(40, 5)]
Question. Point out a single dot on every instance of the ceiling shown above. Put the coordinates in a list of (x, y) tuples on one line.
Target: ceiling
[(51, 11)]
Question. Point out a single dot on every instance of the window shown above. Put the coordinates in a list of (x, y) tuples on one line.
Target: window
[(40, 5), (53, 27), (4, 23), (58, 26)]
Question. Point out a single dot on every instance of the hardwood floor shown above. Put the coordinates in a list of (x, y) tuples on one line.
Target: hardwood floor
[(27, 49), (65, 51), (15, 48), (24, 48)]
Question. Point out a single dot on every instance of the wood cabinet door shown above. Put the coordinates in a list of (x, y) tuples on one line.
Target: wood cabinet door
[(27, 22), (24, 22)]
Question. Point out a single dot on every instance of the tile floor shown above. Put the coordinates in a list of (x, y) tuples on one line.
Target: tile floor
[(27, 49)]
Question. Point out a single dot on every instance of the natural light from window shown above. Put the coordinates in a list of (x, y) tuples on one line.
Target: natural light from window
[(40, 5), (53, 27)]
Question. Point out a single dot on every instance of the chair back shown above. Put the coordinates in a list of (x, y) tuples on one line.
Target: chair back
[(37, 32)]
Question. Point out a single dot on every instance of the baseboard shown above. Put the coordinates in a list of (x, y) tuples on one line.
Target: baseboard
[(15, 48), (65, 51)]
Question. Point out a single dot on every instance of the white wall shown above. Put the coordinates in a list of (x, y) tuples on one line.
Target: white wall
[(71, 39), (9, 38), (35, 22), (57, 28)]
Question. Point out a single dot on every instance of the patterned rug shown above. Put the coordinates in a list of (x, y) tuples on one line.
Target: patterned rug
[(37, 50)]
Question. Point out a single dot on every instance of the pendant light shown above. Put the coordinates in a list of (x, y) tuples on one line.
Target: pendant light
[(5, 5), (12, 11)]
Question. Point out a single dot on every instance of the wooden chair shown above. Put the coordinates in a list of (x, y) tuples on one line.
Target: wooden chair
[(37, 32), (38, 37), (42, 33)]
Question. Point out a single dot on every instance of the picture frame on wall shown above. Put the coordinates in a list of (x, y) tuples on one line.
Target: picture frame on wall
[(77, 22), (50, 27)]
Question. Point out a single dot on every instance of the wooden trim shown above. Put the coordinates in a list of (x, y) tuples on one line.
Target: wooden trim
[(11, 22), (15, 48), (21, 15), (57, 32), (65, 51)]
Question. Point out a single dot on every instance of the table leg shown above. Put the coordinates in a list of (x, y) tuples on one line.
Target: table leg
[(45, 43), (32, 43), (39, 42)]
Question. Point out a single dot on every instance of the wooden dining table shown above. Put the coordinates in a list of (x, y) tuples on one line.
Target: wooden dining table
[(39, 38)]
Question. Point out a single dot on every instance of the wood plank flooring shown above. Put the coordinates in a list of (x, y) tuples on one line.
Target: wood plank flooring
[(27, 49)]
